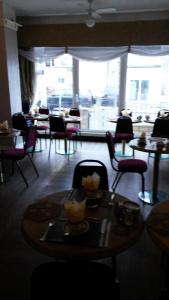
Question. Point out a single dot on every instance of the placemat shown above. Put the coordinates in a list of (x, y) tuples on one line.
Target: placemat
[(40, 212), (90, 238), (159, 222)]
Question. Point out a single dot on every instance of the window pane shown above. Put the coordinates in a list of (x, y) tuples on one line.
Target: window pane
[(99, 92), (147, 89), (55, 83)]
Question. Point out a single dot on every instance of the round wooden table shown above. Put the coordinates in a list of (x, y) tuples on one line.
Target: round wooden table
[(117, 240), (156, 225)]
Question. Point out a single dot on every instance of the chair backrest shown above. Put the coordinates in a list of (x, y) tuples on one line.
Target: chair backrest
[(74, 112), (127, 111), (44, 110), (110, 144), (161, 128), (19, 122), (88, 167), (124, 125), (30, 141), (56, 124), (163, 113)]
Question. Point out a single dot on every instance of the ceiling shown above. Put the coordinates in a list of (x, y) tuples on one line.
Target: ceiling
[(72, 11)]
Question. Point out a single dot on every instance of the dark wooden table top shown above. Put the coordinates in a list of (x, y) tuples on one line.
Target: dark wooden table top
[(118, 240)]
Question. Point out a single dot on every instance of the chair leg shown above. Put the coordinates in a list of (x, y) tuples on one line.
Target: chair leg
[(49, 148), (133, 153), (33, 165), (116, 181), (142, 184), (21, 172)]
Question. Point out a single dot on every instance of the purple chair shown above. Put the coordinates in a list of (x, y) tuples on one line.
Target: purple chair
[(58, 131), (124, 129), (43, 128), (124, 132), (18, 154), (125, 165), (76, 130), (21, 123)]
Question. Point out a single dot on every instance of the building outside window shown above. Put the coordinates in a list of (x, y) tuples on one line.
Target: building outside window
[(147, 87), (147, 84)]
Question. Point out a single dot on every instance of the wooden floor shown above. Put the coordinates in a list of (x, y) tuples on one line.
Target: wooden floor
[(139, 269)]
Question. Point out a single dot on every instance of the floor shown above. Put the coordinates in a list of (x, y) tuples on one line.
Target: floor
[(139, 269)]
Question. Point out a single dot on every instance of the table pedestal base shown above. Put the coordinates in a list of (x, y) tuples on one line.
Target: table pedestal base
[(162, 156), (147, 197), (126, 154), (62, 152)]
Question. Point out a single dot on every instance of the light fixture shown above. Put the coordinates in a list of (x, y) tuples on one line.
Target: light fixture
[(90, 22)]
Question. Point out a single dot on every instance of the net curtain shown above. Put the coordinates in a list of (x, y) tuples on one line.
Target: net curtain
[(43, 54)]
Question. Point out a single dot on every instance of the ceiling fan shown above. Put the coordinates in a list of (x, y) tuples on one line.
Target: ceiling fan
[(91, 15), (96, 14)]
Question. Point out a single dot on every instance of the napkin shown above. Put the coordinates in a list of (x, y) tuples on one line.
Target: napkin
[(163, 114), (125, 113), (4, 125), (91, 182)]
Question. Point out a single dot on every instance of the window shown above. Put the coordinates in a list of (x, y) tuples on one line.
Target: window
[(55, 84), (147, 84), (134, 87), (95, 86), (144, 89), (99, 91)]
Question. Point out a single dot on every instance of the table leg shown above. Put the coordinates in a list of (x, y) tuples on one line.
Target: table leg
[(64, 150), (155, 176), (123, 153), (2, 179), (152, 197), (1, 173)]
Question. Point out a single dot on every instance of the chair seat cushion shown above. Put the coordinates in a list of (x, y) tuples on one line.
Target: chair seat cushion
[(42, 127), (14, 153), (123, 136), (61, 135), (73, 129), (132, 165)]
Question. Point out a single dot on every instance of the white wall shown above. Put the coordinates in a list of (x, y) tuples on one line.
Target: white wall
[(10, 94)]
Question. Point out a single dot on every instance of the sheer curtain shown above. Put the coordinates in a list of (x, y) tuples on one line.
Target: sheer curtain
[(43, 54)]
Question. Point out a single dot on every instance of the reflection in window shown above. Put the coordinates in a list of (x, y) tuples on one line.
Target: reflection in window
[(144, 89), (134, 86)]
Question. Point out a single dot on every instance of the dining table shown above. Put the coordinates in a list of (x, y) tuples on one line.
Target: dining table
[(103, 233), (157, 146), (68, 119), (157, 226), (43, 117)]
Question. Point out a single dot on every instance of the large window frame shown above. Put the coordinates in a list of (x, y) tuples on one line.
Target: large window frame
[(97, 54)]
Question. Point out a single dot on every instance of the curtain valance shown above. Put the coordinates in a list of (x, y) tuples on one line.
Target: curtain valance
[(43, 54)]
